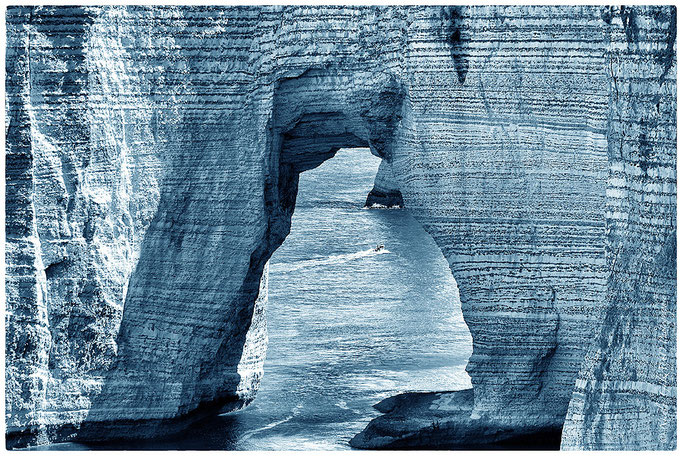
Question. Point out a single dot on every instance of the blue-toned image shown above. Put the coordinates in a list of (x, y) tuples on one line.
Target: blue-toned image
[(340, 227)]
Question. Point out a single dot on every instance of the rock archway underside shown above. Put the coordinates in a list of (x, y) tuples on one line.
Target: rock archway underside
[(152, 161)]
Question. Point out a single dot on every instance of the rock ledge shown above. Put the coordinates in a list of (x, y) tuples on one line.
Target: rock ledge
[(442, 421)]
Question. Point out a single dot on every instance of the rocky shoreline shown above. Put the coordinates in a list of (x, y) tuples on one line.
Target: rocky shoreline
[(442, 421)]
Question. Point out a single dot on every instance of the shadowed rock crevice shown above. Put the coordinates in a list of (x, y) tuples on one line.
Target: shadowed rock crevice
[(457, 36)]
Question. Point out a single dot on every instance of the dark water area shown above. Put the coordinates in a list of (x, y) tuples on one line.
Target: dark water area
[(347, 326)]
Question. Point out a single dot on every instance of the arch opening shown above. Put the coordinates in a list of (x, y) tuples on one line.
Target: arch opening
[(308, 126), (349, 326)]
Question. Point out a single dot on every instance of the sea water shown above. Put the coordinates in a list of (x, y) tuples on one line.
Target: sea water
[(347, 326)]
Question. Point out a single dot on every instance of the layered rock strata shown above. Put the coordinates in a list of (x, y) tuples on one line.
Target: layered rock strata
[(625, 395), (152, 169)]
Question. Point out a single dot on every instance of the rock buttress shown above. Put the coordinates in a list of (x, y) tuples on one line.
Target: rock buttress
[(625, 395), (385, 192)]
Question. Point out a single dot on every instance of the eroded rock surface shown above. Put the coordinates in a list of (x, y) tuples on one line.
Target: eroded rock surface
[(153, 156), (625, 395), (443, 421)]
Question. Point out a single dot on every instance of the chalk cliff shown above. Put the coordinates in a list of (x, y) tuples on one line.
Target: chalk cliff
[(153, 156), (626, 392)]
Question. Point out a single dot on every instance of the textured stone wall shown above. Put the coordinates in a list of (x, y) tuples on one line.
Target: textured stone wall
[(27, 337), (502, 158), (153, 161), (625, 395)]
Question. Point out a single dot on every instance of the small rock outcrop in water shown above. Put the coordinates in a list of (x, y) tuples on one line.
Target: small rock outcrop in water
[(385, 192), (152, 162), (377, 198), (443, 421)]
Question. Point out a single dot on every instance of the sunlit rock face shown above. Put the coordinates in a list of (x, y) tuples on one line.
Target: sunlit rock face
[(625, 395), (153, 156)]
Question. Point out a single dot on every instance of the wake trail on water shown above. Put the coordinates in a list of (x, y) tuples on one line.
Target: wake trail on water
[(326, 261), (247, 435)]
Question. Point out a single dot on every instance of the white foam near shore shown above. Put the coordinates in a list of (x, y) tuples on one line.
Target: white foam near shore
[(382, 206), (325, 261)]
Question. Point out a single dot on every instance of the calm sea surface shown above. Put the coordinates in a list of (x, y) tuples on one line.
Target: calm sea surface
[(347, 326)]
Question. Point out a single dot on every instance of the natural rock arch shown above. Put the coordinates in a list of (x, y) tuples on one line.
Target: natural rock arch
[(312, 118), (219, 360), (165, 191)]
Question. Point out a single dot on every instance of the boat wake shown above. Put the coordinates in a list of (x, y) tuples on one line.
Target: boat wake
[(296, 410), (326, 261)]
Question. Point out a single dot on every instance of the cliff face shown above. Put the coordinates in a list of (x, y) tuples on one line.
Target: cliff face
[(152, 169), (625, 395), (503, 159)]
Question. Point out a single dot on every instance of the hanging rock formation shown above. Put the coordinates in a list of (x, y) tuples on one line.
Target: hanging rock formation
[(153, 156), (385, 192)]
